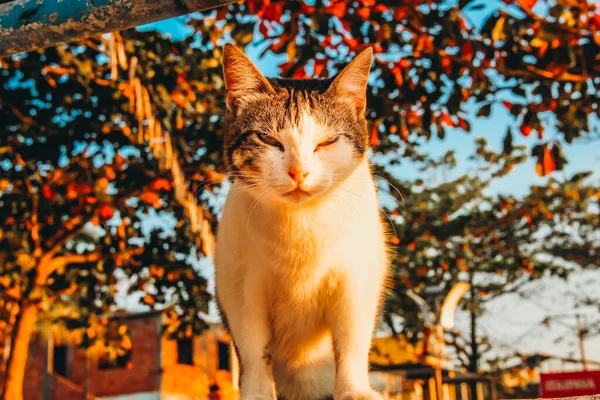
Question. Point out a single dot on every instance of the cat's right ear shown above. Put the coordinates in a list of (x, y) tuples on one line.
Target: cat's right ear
[(242, 79)]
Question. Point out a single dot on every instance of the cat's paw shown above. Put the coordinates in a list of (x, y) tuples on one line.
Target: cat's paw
[(370, 395)]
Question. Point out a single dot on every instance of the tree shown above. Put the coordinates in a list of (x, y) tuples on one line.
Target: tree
[(436, 60), (453, 231), (86, 163)]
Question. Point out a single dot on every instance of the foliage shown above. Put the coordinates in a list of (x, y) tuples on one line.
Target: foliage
[(437, 61), (86, 165), (453, 230)]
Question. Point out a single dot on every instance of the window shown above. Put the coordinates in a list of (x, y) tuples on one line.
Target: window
[(224, 356), (185, 351), (121, 359), (60, 360)]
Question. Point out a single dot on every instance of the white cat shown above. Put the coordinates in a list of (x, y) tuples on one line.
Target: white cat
[(301, 257)]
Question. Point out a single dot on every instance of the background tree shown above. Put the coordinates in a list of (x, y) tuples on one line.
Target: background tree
[(86, 167), (437, 60)]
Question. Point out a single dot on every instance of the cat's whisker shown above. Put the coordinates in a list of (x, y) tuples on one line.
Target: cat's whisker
[(391, 222), (335, 199), (257, 202), (351, 192), (397, 190), (347, 202), (207, 184), (400, 203)]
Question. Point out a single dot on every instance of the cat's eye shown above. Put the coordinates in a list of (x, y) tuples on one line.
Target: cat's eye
[(327, 143), (269, 140)]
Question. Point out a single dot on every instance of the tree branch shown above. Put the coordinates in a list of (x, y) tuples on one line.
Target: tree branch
[(46, 269), (73, 227)]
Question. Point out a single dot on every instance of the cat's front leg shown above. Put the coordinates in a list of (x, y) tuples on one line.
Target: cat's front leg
[(351, 322), (248, 323)]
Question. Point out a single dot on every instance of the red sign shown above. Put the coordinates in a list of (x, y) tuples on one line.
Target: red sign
[(565, 384)]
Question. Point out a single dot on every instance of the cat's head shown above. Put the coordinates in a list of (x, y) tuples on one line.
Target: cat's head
[(294, 140)]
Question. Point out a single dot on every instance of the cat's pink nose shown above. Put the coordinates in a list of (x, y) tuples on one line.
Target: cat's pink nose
[(297, 175)]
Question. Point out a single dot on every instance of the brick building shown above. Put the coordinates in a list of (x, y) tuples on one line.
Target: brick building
[(154, 369)]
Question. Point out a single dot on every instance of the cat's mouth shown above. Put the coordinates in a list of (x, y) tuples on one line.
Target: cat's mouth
[(297, 193)]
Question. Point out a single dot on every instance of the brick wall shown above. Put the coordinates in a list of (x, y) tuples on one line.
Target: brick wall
[(154, 370), (143, 375)]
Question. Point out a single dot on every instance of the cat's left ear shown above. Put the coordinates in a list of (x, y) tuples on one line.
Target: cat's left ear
[(242, 78), (351, 84)]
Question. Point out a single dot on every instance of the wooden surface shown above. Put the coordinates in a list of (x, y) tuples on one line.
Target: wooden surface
[(27, 25), (594, 397)]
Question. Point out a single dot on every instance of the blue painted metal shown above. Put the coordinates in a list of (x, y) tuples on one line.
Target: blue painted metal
[(27, 25)]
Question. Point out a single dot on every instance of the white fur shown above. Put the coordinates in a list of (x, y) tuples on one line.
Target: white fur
[(300, 278)]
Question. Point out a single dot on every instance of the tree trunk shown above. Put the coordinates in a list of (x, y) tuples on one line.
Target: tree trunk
[(17, 361)]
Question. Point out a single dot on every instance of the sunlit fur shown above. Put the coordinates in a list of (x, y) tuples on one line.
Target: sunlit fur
[(300, 264)]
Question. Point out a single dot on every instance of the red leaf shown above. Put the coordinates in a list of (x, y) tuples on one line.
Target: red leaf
[(401, 13), (300, 73), (263, 28), (84, 188), (337, 9), (526, 130), (549, 163), (404, 132), (283, 68), (595, 21), (160, 184), (351, 42), (306, 9), (463, 124), (273, 11), (179, 99), (462, 25), (446, 119), (507, 104), (47, 192), (398, 76), (374, 135), (364, 13), (381, 8), (319, 67), (148, 299), (151, 198), (467, 50), (446, 63), (109, 172), (105, 211), (404, 63)]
